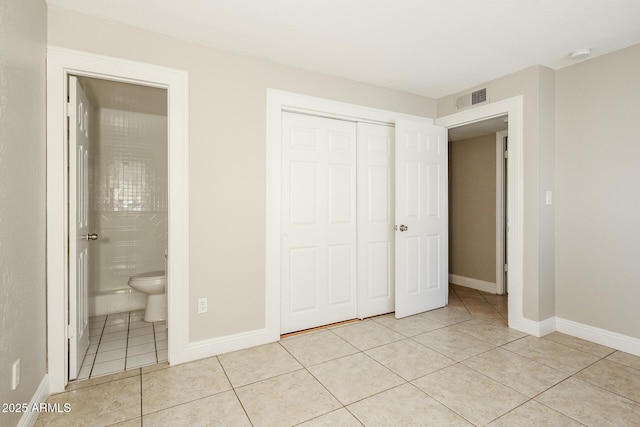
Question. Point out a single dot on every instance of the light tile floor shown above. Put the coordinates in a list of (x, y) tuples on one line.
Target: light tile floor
[(123, 341), (459, 365)]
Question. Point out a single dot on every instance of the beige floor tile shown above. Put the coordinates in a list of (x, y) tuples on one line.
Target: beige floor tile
[(136, 422), (182, 383), (625, 359), (102, 404), (448, 315), (409, 359), (317, 347), (521, 374), (403, 406), (488, 331), (612, 376), (591, 405), (367, 334), (408, 326), (257, 364), (340, 417), (484, 311), (156, 367), (222, 409), (76, 385), (453, 344), (557, 356), (535, 414), (286, 399), (472, 395), (354, 377), (579, 344)]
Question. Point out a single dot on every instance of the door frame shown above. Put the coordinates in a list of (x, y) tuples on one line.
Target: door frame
[(60, 63), (501, 178), (513, 108)]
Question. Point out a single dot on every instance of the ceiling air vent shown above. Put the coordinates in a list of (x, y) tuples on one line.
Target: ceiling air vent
[(471, 98)]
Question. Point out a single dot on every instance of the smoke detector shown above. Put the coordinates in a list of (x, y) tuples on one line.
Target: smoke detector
[(580, 54)]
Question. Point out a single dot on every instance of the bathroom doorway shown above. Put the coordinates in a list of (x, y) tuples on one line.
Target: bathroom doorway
[(62, 326), (118, 201)]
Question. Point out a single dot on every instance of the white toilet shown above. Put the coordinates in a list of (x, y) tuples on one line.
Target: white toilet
[(154, 284)]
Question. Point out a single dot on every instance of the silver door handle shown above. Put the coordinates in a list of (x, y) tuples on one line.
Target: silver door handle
[(92, 237), (403, 227)]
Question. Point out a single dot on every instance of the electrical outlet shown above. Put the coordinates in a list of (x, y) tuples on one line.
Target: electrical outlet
[(202, 305), (15, 375)]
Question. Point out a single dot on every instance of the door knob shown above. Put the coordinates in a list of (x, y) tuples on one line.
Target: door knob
[(403, 227), (92, 237)]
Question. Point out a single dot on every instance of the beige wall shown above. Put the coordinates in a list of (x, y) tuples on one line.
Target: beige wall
[(535, 84), (598, 200), (472, 208), (227, 133), (23, 32)]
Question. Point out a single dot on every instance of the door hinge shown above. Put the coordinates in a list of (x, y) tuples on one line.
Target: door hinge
[(71, 332), (69, 109), (506, 268), (506, 154)]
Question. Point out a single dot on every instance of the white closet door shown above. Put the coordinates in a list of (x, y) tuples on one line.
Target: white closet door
[(78, 332), (422, 256), (318, 221), (376, 198)]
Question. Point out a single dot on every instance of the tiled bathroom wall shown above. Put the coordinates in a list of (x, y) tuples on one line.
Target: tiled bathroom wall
[(129, 206)]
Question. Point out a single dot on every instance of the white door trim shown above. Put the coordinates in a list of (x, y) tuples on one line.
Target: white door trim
[(513, 107), (500, 217), (277, 101), (60, 63)]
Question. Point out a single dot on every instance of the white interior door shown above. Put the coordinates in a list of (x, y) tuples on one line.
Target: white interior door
[(78, 330), (318, 221), (421, 218), (376, 198)]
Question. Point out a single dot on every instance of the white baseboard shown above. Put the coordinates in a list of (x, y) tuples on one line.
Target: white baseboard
[(41, 395), (537, 329), (479, 285), (215, 346), (599, 336)]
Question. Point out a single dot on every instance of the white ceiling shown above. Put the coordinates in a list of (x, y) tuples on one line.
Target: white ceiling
[(427, 47)]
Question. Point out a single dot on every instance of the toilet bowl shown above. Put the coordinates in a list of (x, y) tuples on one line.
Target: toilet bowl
[(154, 285)]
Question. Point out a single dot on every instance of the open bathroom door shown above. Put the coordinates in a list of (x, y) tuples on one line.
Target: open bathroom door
[(422, 240), (78, 328)]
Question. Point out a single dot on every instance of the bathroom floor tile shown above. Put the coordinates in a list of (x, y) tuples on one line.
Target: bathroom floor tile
[(409, 359), (470, 394), (141, 349), (182, 383), (287, 399), (107, 367), (142, 339), (257, 363), (162, 345), (112, 345), (317, 347), (105, 356), (228, 412), (146, 330), (114, 336), (367, 334), (354, 377), (402, 406), (141, 360)]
